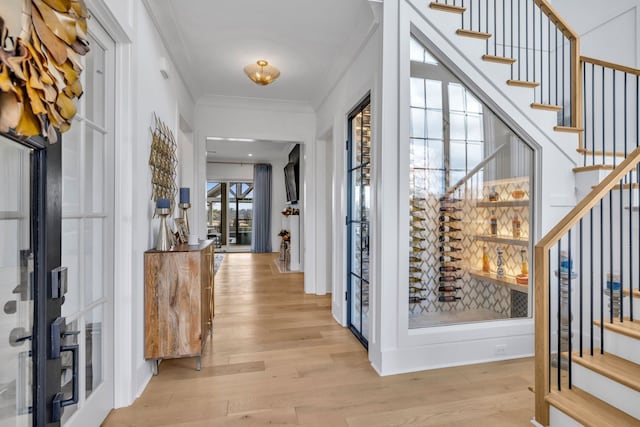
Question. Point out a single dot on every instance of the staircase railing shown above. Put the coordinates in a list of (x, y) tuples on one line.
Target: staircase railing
[(541, 47), (596, 256), (611, 108)]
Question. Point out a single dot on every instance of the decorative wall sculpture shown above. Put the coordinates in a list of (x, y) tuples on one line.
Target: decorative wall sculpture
[(163, 163), (40, 69)]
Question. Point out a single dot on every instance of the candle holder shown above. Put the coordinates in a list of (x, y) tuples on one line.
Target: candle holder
[(185, 207), (163, 243)]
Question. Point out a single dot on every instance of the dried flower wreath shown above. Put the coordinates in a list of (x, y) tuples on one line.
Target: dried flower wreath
[(40, 69)]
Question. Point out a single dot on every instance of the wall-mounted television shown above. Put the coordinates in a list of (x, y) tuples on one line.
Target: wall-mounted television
[(290, 182)]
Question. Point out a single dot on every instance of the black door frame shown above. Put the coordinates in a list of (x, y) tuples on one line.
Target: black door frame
[(46, 225), (350, 221)]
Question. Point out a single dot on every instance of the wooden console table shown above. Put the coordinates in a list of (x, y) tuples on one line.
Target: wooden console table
[(178, 302)]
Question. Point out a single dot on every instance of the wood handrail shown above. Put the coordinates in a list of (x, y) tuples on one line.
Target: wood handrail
[(542, 270), (607, 64), (555, 17), (576, 81)]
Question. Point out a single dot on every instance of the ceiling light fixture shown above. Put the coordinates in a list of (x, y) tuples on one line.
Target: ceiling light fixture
[(250, 154), (261, 72)]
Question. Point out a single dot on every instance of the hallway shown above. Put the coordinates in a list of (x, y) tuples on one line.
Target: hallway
[(279, 358)]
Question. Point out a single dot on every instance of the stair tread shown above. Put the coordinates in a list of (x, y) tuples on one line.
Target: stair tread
[(569, 129), (498, 59), (447, 7), (523, 83), (592, 168), (589, 410), (549, 107), (612, 367), (628, 327), (599, 153), (474, 34)]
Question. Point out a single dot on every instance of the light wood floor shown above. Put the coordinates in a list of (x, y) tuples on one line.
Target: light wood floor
[(279, 358)]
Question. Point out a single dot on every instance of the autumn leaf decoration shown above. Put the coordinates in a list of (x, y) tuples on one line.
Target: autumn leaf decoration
[(40, 69)]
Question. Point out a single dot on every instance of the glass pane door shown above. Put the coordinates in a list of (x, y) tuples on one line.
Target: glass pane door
[(359, 184), (16, 291)]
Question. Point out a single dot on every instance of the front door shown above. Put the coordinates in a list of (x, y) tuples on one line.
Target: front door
[(32, 287)]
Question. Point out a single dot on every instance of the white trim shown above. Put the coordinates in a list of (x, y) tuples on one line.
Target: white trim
[(123, 359)]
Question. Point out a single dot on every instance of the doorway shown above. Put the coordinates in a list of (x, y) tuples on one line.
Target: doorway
[(358, 208), (230, 214)]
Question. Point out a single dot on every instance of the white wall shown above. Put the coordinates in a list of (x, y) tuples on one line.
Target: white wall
[(233, 172), (362, 77), (141, 91), (608, 30), (275, 121)]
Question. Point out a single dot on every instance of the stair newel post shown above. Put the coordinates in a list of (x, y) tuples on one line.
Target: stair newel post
[(542, 333)]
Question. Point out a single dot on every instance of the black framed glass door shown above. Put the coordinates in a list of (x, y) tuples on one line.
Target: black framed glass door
[(32, 285), (358, 205)]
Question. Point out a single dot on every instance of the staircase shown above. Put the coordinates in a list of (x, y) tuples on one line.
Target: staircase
[(587, 268)]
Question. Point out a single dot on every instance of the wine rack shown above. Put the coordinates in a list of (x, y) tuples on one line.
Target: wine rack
[(417, 288), (448, 279)]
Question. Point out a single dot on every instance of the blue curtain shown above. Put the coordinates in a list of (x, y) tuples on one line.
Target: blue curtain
[(261, 230)]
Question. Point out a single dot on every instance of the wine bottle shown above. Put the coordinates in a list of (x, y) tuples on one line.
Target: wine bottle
[(415, 259), (446, 199), (516, 226), (493, 223), (446, 228), (417, 249), (445, 239), (486, 267), (418, 229), (418, 239), (524, 263), (446, 258), (448, 298), (448, 278), (493, 195), (414, 280), (449, 268), (448, 249), (448, 218), (450, 209), (415, 270), (449, 288), (416, 289), (416, 300)]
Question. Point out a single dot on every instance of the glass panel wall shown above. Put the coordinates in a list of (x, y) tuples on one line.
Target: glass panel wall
[(470, 179)]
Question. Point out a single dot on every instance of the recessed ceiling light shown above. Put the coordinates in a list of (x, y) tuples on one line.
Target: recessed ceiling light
[(250, 154), (214, 138), (241, 140)]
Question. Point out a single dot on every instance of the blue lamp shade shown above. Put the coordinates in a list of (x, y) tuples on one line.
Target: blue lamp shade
[(184, 195), (163, 204)]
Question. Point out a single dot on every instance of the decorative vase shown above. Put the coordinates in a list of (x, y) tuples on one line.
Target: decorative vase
[(163, 243), (500, 264)]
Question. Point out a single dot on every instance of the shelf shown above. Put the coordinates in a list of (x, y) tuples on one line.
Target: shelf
[(504, 204), (508, 281), (503, 239)]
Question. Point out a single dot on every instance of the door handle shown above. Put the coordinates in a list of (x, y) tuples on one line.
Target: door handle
[(59, 402)]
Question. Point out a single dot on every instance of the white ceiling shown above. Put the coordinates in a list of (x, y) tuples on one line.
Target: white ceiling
[(238, 151), (311, 41)]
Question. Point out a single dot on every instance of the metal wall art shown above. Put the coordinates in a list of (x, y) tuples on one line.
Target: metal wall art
[(40, 68), (163, 163)]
